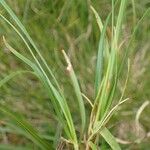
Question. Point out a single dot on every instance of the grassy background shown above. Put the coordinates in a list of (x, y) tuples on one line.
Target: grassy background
[(70, 25)]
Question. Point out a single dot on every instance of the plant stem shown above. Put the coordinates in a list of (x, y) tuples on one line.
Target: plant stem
[(76, 147)]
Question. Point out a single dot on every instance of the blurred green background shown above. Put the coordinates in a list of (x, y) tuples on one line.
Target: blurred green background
[(71, 25)]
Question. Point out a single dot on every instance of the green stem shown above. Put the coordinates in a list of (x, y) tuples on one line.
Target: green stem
[(76, 147)]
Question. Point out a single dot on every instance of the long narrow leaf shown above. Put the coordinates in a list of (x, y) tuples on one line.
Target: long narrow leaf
[(109, 138), (77, 90), (30, 50), (12, 75), (99, 65), (20, 25), (53, 93), (111, 64), (31, 132), (98, 125), (120, 19)]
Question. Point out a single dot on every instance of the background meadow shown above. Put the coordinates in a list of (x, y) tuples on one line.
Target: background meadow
[(71, 25)]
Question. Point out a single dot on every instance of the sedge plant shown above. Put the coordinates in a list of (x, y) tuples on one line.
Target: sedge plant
[(93, 128)]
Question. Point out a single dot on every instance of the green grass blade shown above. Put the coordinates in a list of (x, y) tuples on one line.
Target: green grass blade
[(98, 19), (120, 19), (26, 43), (109, 138), (103, 46), (13, 129), (20, 25), (32, 134), (77, 90), (113, 59), (131, 39), (41, 74), (12, 75), (111, 94), (99, 65), (57, 100), (29, 48), (24, 59), (98, 125), (112, 64), (33, 66)]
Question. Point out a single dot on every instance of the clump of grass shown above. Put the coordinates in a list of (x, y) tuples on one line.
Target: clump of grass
[(106, 78)]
